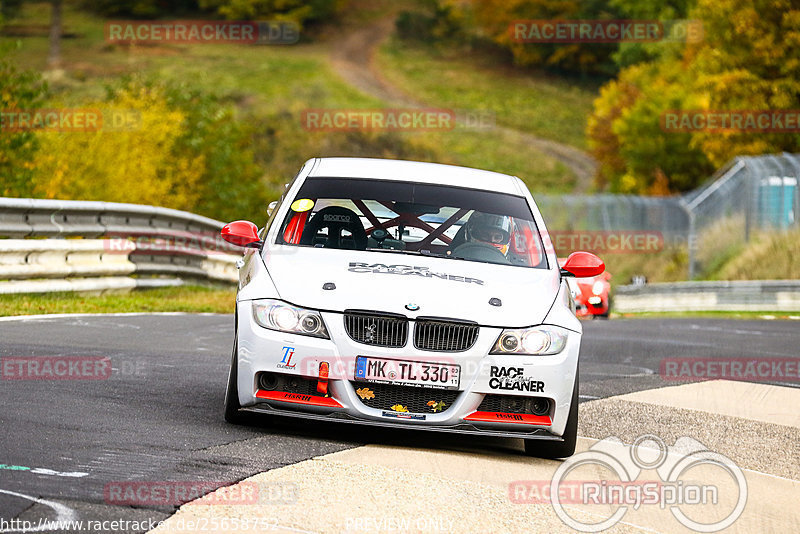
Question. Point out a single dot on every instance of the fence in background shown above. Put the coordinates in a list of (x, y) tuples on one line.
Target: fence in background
[(748, 194), (123, 246)]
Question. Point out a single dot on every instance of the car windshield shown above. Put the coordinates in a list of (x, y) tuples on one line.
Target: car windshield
[(385, 216)]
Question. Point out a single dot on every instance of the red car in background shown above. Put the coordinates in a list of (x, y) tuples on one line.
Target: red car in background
[(592, 295)]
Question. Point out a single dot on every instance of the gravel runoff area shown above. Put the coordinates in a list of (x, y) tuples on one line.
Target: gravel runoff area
[(379, 488)]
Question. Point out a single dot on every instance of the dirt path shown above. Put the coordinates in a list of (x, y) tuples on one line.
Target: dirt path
[(353, 58)]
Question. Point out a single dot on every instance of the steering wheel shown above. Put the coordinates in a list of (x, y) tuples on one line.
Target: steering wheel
[(479, 252), (336, 219)]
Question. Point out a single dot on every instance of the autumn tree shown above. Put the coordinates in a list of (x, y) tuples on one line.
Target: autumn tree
[(493, 19), (136, 163), (176, 147), (748, 59)]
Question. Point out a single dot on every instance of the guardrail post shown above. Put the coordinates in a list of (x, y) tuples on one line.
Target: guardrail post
[(750, 198), (691, 239), (794, 162)]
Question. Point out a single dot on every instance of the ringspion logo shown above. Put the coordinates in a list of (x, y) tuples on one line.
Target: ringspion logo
[(687, 479)]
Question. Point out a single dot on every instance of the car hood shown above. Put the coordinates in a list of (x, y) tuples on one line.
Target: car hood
[(390, 282)]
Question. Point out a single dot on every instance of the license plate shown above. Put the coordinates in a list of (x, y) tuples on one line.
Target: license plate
[(409, 373)]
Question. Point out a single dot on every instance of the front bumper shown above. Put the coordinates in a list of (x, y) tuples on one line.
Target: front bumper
[(583, 309), (292, 356)]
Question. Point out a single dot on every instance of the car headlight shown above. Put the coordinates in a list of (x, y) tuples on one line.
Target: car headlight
[(539, 340), (598, 287), (283, 317)]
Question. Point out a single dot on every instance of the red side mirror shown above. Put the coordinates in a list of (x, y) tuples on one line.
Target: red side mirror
[(583, 264), (241, 233)]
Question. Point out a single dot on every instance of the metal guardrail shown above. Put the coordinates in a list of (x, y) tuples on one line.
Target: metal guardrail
[(744, 295), (27, 217), (119, 241)]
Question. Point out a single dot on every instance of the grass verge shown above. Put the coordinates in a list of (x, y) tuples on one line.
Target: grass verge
[(544, 106), (192, 299)]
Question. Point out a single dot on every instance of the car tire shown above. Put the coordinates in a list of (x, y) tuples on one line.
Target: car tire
[(558, 449), (232, 406)]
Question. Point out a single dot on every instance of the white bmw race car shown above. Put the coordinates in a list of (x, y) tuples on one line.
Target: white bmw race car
[(406, 294)]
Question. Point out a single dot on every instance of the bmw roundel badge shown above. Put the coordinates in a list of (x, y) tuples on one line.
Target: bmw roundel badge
[(412, 307)]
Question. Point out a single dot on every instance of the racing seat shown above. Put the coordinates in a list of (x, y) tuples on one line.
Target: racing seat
[(459, 239), (343, 229)]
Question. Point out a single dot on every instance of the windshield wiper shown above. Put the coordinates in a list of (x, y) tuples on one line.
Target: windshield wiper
[(423, 252), (426, 252), (393, 250)]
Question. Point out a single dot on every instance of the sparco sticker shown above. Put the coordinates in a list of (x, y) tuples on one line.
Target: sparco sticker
[(408, 270)]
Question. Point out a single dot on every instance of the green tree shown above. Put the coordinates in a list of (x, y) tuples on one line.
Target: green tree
[(145, 9), (185, 150), (494, 17), (665, 11), (299, 11), (19, 91), (8, 10), (231, 185), (142, 163)]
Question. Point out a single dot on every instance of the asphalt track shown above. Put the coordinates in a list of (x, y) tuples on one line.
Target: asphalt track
[(158, 417)]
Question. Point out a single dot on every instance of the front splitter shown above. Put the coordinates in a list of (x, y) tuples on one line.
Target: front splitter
[(464, 429)]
